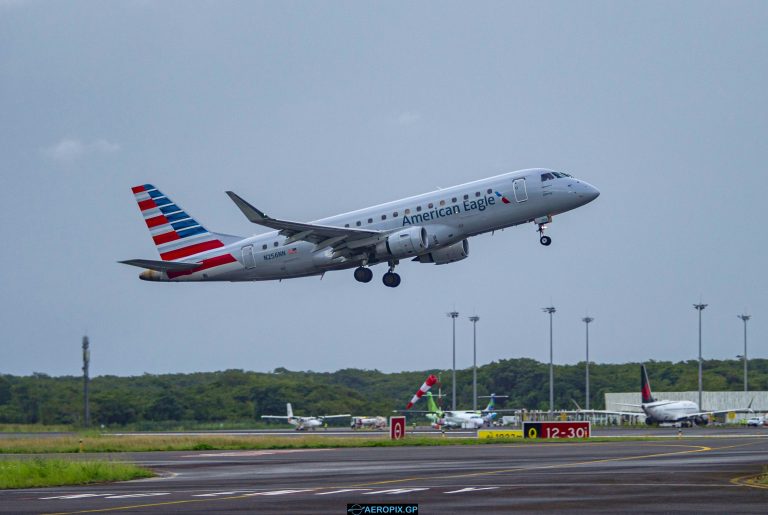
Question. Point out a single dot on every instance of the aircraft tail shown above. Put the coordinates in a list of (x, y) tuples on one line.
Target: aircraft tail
[(175, 233), (645, 386), (289, 410), (491, 403), (431, 405)]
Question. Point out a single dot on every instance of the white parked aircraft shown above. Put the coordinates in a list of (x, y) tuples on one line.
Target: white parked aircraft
[(665, 411), (428, 228), (302, 423)]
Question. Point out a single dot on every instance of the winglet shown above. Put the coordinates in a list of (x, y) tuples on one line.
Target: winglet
[(250, 212)]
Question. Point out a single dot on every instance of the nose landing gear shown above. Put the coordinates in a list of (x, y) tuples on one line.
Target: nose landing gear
[(542, 223), (544, 240)]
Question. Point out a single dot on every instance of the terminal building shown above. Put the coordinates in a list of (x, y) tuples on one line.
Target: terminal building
[(715, 401)]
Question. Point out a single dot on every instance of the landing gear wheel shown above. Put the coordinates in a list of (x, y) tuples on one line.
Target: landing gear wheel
[(363, 275), (391, 279), (545, 240)]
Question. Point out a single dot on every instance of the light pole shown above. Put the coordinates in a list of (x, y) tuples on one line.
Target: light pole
[(453, 315), (700, 307), (474, 319), (86, 363), (551, 310), (745, 317), (586, 321)]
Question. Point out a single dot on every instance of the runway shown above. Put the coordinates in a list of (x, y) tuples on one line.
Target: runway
[(681, 475)]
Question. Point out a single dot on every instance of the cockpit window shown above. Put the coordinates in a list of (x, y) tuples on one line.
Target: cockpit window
[(547, 177)]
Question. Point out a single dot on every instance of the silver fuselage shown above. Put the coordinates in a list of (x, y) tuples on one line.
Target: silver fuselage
[(448, 215)]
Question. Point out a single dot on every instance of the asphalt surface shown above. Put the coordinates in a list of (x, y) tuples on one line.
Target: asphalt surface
[(696, 474)]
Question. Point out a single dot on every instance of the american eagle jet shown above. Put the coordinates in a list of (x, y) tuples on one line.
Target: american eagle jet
[(429, 228)]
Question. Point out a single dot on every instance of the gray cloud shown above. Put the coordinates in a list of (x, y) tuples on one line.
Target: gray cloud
[(69, 149)]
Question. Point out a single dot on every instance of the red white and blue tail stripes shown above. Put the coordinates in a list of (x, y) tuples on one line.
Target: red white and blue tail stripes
[(176, 234)]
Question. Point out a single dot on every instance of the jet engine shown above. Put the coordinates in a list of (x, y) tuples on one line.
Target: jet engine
[(403, 244), (702, 420), (445, 255)]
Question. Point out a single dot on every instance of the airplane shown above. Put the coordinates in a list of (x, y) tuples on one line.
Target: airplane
[(302, 423), (686, 413), (430, 228), (368, 422), (490, 412), (450, 419)]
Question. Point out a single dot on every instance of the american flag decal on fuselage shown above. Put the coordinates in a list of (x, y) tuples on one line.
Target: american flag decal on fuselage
[(175, 233)]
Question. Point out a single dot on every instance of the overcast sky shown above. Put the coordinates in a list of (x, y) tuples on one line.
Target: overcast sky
[(308, 109)]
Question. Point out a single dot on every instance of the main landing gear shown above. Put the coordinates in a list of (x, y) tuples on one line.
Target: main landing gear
[(391, 279), (363, 274)]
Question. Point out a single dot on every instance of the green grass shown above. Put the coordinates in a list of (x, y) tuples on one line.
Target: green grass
[(40, 472), (35, 428), (144, 443)]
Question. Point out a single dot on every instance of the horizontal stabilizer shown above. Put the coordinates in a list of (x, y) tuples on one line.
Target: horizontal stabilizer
[(161, 266)]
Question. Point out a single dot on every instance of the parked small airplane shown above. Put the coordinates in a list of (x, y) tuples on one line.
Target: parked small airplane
[(368, 423), (686, 413), (428, 228), (302, 423)]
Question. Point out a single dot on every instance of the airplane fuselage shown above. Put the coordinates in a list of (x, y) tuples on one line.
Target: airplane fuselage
[(441, 221)]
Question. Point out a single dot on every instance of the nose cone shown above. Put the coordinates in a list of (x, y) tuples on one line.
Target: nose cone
[(588, 192)]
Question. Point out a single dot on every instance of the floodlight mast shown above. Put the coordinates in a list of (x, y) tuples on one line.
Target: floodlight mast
[(474, 319), (551, 310), (745, 317), (587, 321), (453, 315), (700, 307), (86, 363)]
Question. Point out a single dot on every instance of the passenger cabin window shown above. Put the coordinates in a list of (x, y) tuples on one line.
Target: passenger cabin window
[(489, 191), (370, 220), (430, 205), (275, 245), (394, 215), (466, 197), (477, 193), (264, 247), (346, 225), (407, 211), (453, 200), (442, 202), (383, 217), (418, 208), (357, 223), (547, 177)]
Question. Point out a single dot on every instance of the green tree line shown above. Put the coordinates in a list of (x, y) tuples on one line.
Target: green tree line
[(237, 395)]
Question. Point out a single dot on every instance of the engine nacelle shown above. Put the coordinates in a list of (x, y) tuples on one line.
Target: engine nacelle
[(702, 420), (445, 255), (402, 244)]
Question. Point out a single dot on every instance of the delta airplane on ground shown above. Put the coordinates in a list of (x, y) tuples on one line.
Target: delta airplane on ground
[(665, 411), (428, 228), (302, 423)]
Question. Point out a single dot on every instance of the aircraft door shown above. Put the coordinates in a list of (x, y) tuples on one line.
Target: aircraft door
[(521, 194), (248, 259)]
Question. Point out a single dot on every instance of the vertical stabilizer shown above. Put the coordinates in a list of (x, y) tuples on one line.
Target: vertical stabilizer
[(175, 233), (431, 406), (645, 386), (289, 410)]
